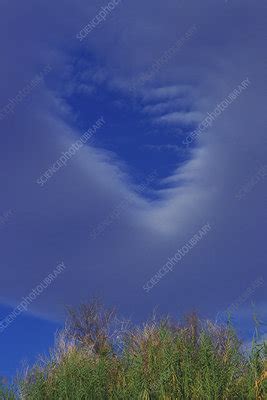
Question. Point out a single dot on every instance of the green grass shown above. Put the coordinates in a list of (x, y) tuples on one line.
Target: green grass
[(162, 360), (6, 393)]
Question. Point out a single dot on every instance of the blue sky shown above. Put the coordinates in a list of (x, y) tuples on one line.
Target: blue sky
[(219, 177)]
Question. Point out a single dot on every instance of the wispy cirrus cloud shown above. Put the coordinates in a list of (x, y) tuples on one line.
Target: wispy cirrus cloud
[(180, 117), (162, 107), (167, 92)]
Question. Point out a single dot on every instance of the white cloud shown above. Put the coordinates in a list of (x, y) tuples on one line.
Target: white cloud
[(160, 108), (179, 117), (167, 92), (55, 224)]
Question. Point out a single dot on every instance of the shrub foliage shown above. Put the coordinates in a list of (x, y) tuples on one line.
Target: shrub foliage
[(96, 359)]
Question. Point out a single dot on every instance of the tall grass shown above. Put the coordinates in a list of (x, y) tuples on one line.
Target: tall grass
[(6, 393), (193, 360)]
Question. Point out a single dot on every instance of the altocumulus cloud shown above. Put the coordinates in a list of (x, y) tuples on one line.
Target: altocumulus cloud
[(56, 221)]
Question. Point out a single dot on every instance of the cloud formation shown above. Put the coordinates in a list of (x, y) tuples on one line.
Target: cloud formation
[(54, 222)]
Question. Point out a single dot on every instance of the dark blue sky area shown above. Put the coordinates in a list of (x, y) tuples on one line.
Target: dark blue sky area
[(36, 336), (138, 143)]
